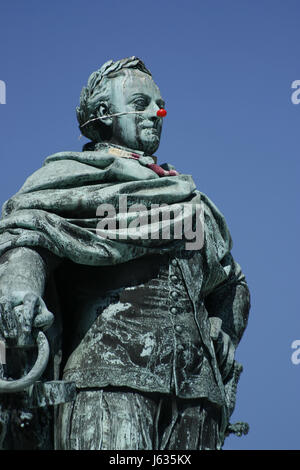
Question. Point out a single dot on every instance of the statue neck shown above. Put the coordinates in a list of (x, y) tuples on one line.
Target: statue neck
[(119, 149)]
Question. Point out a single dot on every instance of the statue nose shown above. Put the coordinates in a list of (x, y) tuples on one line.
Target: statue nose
[(153, 112)]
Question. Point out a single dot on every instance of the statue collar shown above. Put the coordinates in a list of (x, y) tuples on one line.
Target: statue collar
[(118, 150)]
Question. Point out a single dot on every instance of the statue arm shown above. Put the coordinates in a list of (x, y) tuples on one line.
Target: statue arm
[(229, 302), (23, 276), (22, 269)]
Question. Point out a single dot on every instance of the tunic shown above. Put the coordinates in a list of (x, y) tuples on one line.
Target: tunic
[(135, 327)]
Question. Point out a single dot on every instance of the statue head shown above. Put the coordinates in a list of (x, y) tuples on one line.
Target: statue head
[(125, 86)]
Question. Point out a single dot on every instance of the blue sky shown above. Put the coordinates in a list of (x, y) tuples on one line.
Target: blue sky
[(224, 68)]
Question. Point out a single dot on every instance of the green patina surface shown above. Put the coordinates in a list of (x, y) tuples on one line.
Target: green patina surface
[(146, 314)]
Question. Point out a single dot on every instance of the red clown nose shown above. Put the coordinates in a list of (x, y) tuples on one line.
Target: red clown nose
[(161, 112)]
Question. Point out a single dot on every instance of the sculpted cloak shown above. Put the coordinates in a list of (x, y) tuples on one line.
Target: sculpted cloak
[(120, 341)]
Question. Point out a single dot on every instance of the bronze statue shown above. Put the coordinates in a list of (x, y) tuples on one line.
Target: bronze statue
[(142, 329)]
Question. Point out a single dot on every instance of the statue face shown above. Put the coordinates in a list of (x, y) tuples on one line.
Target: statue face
[(136, 91)]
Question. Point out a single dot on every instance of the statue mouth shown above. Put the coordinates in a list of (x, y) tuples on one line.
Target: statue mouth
[(147, 124), (151, 129)]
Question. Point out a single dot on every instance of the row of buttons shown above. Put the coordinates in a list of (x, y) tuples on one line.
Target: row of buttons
[(174, 295)]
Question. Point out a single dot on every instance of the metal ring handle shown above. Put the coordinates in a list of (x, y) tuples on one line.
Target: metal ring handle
[(10, 386)]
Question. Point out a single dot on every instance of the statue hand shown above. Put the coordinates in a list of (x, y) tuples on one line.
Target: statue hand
[(20, 312), (225, 350)]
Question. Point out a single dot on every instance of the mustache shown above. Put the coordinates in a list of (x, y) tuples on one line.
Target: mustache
[(150, 125)]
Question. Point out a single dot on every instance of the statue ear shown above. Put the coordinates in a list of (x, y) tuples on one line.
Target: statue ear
[(103, 110)]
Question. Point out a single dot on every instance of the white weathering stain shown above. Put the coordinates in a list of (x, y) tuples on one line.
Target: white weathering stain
[(149, 342), (113, 309)]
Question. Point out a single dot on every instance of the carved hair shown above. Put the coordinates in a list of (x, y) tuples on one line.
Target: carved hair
[(97, 90)]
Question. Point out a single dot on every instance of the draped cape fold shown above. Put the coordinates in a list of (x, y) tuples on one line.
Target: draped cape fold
[(56, 208)]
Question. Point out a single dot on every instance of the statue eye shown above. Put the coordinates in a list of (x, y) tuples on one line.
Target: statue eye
[(140, 103)]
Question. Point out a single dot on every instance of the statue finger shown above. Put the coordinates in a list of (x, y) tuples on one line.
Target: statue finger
[(219, 344), (225, 349), (1, 322), (8, 320), (221, 348), (229, 361), (44, 318), (30, 304)]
